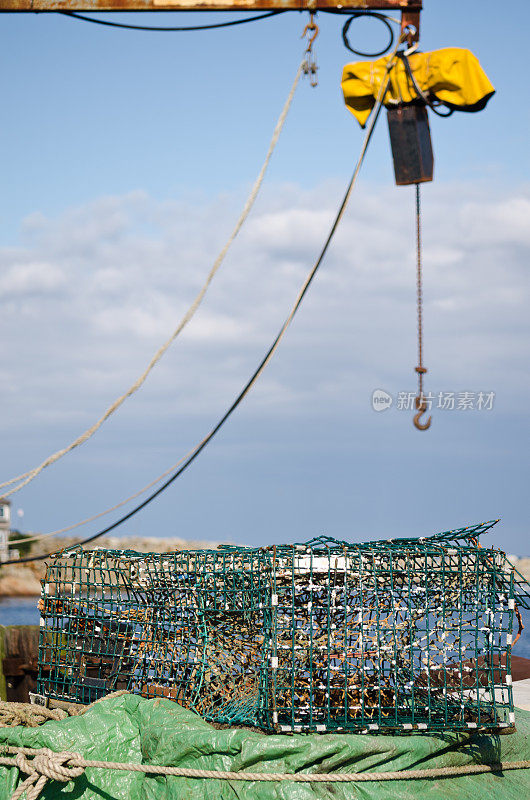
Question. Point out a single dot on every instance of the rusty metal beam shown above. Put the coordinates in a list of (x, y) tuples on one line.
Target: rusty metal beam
[(410, 7)]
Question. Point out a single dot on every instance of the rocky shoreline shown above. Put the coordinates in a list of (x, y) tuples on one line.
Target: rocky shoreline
[(20, 581), (24, 580)]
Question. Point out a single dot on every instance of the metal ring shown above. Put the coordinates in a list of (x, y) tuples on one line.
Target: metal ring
[(358, 14)]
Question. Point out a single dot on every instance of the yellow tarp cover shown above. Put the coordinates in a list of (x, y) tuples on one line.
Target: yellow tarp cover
[(452, 75)]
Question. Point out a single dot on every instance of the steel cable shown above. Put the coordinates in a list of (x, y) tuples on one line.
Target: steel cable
[(170, 29), (361, 14)]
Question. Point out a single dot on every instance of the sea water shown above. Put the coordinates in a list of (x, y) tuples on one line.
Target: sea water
[(19, 611)]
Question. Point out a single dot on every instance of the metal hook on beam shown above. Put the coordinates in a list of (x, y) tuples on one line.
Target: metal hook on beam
[(311, 26), (310, 66)]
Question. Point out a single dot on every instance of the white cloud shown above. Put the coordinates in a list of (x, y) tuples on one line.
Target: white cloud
[(25, 279), (503, 221), (87, 298)]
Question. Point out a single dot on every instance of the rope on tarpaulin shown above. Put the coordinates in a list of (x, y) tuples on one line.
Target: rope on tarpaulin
[(32, 715), (13, 714), (45, 764), (65, 766)]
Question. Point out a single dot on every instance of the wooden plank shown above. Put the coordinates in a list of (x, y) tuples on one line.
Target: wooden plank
[(19, 647)]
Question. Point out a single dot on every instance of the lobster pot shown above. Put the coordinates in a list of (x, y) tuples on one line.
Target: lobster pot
[(402, 634), (188, 626), (391, 637)]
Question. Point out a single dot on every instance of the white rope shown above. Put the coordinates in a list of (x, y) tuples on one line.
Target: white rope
[(369, 132), (141, 491), (29, 476), (66, 766)]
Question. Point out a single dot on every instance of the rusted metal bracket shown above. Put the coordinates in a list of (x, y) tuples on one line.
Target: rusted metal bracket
[(411, 18), (410, 8)]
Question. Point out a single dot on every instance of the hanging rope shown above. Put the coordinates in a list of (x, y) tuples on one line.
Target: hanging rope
[(29, 476), (186, 28), (420, 401), (192, 454)]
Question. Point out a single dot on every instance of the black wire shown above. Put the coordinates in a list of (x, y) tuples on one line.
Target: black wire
[(357, 15), (422, 95), (154, 28), (238, 399)]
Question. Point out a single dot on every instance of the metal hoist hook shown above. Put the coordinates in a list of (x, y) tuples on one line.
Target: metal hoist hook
[(310, 66), (311, 26), (421, 406), (420, 402)]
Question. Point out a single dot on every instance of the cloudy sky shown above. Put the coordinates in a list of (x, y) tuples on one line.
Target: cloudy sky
[(127, 158)]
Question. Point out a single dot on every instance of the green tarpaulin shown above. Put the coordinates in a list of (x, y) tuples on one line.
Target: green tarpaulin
[(132, 729)]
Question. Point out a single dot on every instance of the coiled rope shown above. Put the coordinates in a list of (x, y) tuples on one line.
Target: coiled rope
[(14, 714), (31, 715), (30, 475), (186, 460), (66, 766)]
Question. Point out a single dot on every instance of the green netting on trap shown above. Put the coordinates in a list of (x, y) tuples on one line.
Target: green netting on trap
[(391, 635), (188, 626)]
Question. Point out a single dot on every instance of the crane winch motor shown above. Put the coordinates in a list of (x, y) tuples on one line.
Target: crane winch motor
[(446, 80)]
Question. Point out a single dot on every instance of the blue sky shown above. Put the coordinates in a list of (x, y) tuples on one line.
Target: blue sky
[(126, 159)]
